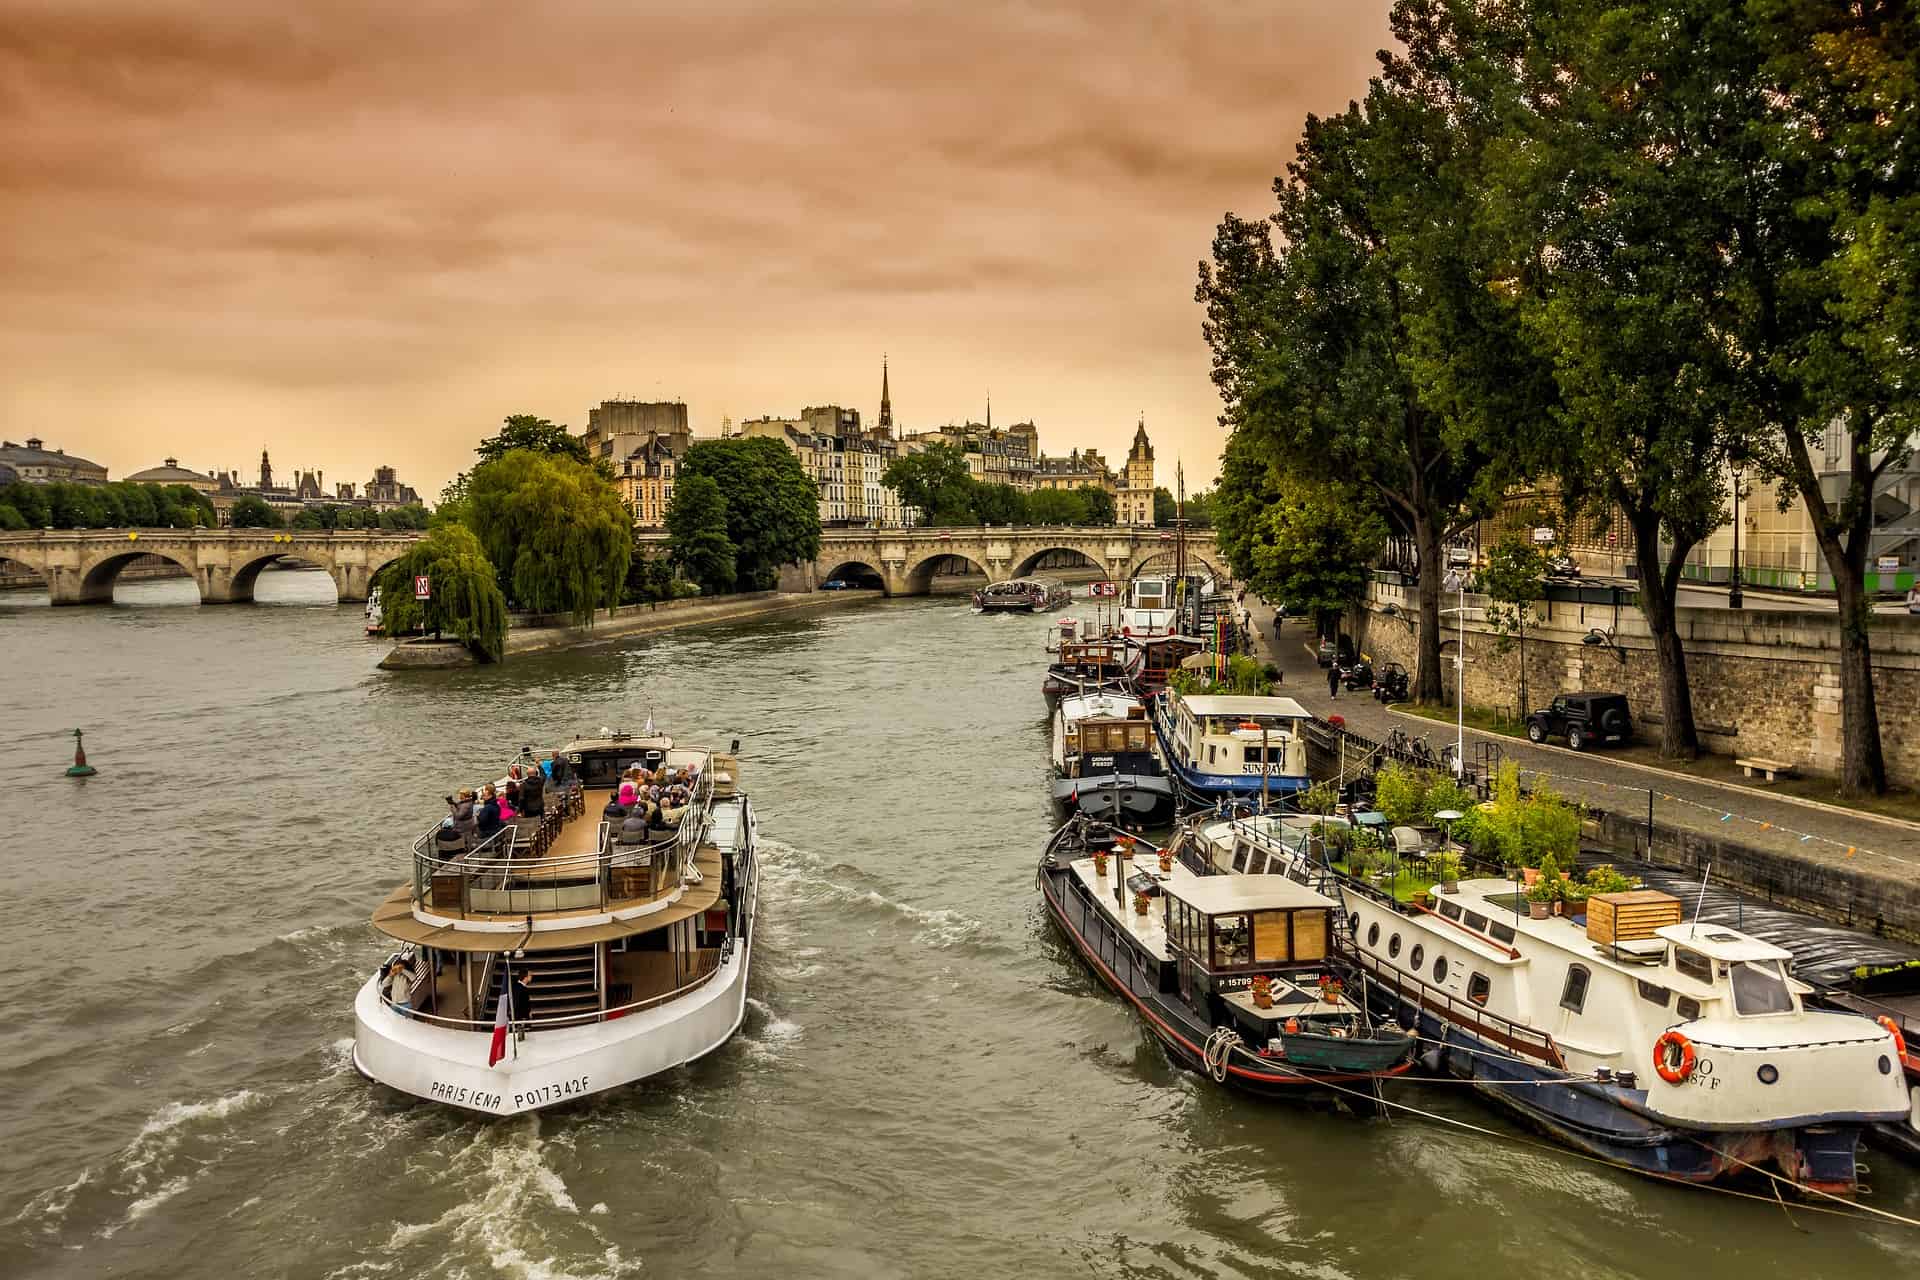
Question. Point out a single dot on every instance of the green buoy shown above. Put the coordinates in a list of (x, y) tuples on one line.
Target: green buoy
[(79, 768)]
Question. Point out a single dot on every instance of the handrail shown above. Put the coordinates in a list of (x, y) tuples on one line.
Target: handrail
[(558, 1020)]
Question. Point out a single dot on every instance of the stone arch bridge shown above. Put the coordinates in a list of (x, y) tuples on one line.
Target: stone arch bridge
[(905, 560), (81, 565)]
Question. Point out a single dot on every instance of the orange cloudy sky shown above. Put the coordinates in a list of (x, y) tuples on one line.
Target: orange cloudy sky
[(359, 231)]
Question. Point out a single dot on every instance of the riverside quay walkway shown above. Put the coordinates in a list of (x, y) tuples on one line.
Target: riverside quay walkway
[(1850, 867)]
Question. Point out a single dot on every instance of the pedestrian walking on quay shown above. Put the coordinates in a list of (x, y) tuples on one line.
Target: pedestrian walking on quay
[(1333, 681)]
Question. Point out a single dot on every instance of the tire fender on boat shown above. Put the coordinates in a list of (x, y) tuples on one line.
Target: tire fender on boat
[(1899, 1039), (1673, 1057)]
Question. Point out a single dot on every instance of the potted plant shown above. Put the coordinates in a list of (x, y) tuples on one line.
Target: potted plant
[(1540, 897), (1574, 898), (1100, 862), (1140, 904), (1446, 870)]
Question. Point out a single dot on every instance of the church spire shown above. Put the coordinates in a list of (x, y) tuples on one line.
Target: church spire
[(989, 410), (886, 399)]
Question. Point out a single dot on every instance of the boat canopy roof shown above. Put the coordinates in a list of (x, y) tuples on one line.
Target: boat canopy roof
[(1721, 943), (1081, 706), (1226, 895), (1245, 705)]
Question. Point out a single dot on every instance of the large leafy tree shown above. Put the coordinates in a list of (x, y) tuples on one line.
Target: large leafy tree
[(999, 504), (555, 529), (773, 510), (465, 597), (1057, 506), (935, 480), (1099, 504), (534, 435), (1314, 545), (1355, 336), (253, 513), (697, 532)]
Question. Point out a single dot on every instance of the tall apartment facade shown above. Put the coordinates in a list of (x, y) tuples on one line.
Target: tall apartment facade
[(618, 427), (846, 463), (1083, 468)]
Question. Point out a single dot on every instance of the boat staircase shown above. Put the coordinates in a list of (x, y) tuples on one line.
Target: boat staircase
[(566, 985)]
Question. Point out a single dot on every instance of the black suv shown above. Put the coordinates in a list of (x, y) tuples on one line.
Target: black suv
[(1583, 719)]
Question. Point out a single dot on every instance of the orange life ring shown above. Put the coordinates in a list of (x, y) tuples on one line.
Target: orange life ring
[(1673, 1070), (1893, 1029)]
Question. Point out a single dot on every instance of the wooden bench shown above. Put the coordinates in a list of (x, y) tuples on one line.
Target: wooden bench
[(1771, 768)]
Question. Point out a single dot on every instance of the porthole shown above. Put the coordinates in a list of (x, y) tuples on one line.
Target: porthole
[(1353, 923), (1373, 934), (1393, 946), (1416, 957), (1768, 1073), (1886, 1067), (1440, 969)]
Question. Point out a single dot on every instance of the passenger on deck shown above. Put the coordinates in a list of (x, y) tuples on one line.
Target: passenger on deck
[(560, 770), (629, 792), (400, 989), (487, 821), (615, 812), (634, 829), (533, 795), (449, 841), (463, 816), (510, 802), (522, 995)]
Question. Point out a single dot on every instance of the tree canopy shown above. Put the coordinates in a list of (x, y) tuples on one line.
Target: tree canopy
[(533, 434), (250, 512), (555, 529), (773, 512), (697, 533), (120, 505), (466, 599), (936, 481)]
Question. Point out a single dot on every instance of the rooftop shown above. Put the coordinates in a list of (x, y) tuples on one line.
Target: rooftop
[(1223, 895), (1245, 705)]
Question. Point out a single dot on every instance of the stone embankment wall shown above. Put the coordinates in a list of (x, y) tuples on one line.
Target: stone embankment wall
[(1765, 683)]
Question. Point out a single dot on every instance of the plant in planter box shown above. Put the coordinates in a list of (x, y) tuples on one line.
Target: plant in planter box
[(1604, 879), (1446, 870), (1540, 899)]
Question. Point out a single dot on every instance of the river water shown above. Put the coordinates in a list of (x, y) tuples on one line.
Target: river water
[(927, 1084)]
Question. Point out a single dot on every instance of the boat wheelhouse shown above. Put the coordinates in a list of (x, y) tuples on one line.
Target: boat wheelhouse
[(1231, 746), (1678, 1050), (1105, 764), (1084, 666), (1021, 595), (1152, 662), (1235, 975), (576, 949), (1149, 609)]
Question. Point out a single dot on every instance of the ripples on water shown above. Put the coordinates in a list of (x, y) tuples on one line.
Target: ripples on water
[(927, 1082)]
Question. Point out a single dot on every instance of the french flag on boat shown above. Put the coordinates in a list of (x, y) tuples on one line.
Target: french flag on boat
[(499, 1047)]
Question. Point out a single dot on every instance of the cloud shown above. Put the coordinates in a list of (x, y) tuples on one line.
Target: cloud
[(362, 232)]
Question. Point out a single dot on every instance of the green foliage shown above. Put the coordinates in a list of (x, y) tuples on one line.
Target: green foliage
[(555, 529), (936, 481), (1165, 509), (120, 505), (1056, 506), (1098, 504), (1514, 581), (1319, 798), (1244, 675), (999, 504), (1444, 794), (411, 517), (466, 600), (1400, 793), (533, 434), (649, 576), (1605, 879), (252, 513), (773, 512), (697, 532)]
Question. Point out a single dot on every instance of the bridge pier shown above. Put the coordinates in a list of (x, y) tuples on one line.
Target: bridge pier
[(351, 582)]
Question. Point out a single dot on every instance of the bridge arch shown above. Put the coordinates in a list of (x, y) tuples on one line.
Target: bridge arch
[(98, 576), (920, 573), (1089, 557), (23, 581), (1161, 559), (860, 573)]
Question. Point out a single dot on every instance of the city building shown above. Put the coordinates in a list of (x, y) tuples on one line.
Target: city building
[(1008, 456), (385, 492), (645, 478), (171, 472), (1083, 468), (1133, 504), (618, 427), (846, 463), (33, 464)]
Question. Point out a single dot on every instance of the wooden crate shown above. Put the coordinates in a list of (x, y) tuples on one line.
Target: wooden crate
[(1618, 917)]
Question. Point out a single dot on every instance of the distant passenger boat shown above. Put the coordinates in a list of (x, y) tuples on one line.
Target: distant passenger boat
[(634, 939), (1235, 975), (1021, 595), (1105, 764)]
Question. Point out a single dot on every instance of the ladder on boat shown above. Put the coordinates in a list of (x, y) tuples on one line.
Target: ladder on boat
[(566, 985)]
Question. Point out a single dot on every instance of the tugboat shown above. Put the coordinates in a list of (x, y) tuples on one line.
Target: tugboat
[(577, 949), (1105, 764), (1678, 1050), (1231, 746), (1021, 595), (1234, 974)]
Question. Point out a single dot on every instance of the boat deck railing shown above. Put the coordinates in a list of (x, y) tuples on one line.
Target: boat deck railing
[(507, 875), (710, 962)]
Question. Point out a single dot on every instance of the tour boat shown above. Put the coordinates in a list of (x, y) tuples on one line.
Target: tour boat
[(1233, 974), (1105, 764), (1231, 746), (1679, 1050), (1021, 595), (635, 943)]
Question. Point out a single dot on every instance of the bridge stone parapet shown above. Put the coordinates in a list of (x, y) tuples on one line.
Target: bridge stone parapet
[(905, 559), (80, 566)]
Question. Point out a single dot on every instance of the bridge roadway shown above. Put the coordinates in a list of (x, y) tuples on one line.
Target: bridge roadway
[(80, 566)]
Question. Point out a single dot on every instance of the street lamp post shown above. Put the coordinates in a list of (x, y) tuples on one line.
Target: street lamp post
[(1733, 585), (1457, 582)]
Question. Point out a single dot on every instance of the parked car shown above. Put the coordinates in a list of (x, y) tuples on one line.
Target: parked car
[(1583, 719), (1563, 567), (1328, 652), (835, 584), (1391, 683)]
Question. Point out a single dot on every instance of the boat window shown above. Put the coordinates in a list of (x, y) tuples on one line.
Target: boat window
[(1440, 969), (1758, 988), (1373, 934), (1240, 852), (1232, 946), (1573, 996), (1451, 910), (1654, 994), (1213, 753), (1504, 932), (1137, 738), (1259, 863), (1476, 921), (1479, 987), (1270, 943), (1692, 964), (1310, 935), (1687, 1007), (1416, 957), (1353, 923), (1393, 946)]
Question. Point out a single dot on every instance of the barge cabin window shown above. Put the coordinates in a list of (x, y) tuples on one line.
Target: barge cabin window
[(1759, 989), (1257, 937), (1573, 996), (1692, 964)]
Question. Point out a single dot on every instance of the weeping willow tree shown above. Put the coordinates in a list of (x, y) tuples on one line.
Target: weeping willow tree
[(466, 599), (556, 530)]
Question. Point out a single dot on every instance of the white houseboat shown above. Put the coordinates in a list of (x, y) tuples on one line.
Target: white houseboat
[(1149, 609), (1678, 1050), (581, 947), (1105, 764), (1231, 746)]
